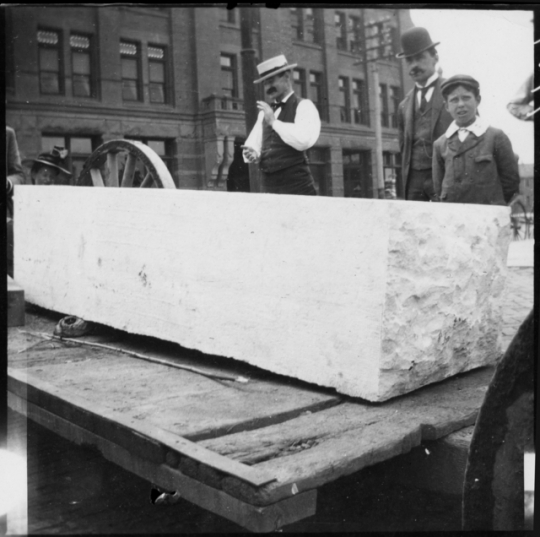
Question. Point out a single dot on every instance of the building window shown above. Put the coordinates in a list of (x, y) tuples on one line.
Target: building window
[(297, 23), (157, 81), (341, 30), (319, 165), (229, 86), (392, 174), (299, 77), (383, 95), (79, 147), (355, 42), (81, 65), (313, 25), (390, 42), (10, 53), (164, 148), (307, 24), (227, 15), (396, 99), (361, 111), (50, 62), (383, 39), (344, 100), (316, 93), (131, 72), (357, 177)]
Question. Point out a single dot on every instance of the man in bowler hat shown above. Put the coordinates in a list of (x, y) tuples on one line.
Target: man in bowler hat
[(284, 131), (422, 117)]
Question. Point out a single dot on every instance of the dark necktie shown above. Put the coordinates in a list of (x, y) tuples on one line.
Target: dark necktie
[(423, 102), (275, 106)]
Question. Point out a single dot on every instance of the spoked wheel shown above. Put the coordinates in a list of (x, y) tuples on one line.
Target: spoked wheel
[(519, 221), (493, 491), (125, 163)]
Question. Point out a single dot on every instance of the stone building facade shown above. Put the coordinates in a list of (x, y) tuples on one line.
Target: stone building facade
[(172, 78)]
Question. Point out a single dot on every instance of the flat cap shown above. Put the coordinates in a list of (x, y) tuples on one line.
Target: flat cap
[(459, 80)]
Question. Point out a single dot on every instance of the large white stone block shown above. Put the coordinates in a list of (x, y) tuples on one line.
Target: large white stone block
[(372, 297)]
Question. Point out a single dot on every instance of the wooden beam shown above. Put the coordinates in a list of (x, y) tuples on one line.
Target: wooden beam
[(256, 519), (22, 382), (15, 313)]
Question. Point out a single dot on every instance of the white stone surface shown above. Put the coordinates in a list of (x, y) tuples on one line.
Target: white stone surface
[(372, 297), (521, 253)]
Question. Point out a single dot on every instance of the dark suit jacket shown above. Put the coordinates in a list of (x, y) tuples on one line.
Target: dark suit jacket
[(482, 169), (440, 121)]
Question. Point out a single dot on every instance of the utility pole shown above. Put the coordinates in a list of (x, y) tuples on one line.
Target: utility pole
[(382, 36), (249, 74)]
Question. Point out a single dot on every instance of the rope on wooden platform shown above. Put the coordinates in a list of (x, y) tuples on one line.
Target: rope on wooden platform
[(214, 376)]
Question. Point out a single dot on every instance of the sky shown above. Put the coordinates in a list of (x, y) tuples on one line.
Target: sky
[(495, 47)]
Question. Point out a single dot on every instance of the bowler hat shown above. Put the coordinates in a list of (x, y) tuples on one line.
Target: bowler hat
[(272, 67), (415, 41), (54, 158), (459, 80)]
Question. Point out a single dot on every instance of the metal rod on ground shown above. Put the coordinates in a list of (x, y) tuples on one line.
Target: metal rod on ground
[(140, 356)]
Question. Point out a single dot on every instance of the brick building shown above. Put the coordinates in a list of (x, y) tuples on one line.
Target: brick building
[(171, 77)]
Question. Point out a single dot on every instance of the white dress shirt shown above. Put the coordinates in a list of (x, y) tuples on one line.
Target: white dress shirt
[(477, 128), (301, 135), (429, 92)]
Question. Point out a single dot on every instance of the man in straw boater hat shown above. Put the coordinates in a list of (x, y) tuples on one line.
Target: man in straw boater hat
[(422, 117), (283, 132)]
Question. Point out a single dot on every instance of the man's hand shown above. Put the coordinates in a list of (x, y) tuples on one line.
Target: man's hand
[(250, 154), (268, 112)]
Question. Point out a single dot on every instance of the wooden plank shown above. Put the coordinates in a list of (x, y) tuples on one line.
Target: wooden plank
[(256, 519), (130, 384), (371, 318), (318, 448), (15, 311), (21, 382)]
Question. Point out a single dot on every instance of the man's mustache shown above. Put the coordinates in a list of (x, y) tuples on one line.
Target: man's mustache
[(416, 72), (270, 90)]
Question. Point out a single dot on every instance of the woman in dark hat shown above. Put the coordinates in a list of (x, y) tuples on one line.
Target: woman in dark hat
[(46, 170), (47, 167)]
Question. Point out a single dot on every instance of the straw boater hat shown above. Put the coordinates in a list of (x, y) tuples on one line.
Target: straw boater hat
[(54, 158), (272, 67), (415, 41)]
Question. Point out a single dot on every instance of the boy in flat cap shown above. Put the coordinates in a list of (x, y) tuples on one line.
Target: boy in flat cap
[(472, 162), (283, 132), (422, 117)]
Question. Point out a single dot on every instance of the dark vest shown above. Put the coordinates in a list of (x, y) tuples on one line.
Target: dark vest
[(276, 154), (422, 148)]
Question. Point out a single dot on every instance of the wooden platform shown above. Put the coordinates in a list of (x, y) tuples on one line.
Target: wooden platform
[(254, 453)]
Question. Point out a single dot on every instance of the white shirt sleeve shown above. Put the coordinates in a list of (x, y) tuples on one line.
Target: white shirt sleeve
[(254, 140), (305, 131)]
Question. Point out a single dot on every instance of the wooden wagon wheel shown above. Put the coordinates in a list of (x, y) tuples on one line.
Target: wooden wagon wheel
[(125, 163), (493, 491), (519, 221)]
